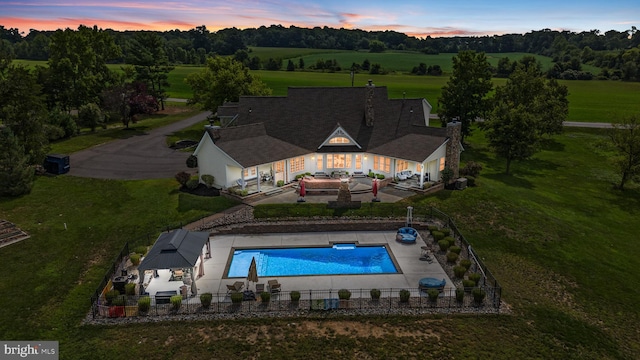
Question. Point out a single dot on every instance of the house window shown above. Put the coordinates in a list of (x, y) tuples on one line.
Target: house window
[(250, 172), (358, 161), (402, 165), (279, 167), (441, 164), (339, 140), (319, 163), (338, 161), (418, 168), (382, 163), (296, 164)]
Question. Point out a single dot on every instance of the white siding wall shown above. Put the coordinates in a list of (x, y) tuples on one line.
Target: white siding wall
[(213, 161)]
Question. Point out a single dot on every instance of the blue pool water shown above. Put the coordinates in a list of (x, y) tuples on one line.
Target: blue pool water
[(341, 259)]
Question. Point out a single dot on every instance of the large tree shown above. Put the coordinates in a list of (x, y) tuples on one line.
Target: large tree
[(78, 65), (526, 108), (16, 175), (146, 53), (625, 138), (223, 79), (464, 98)]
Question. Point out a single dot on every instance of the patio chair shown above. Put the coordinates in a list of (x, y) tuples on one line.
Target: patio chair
[(274, 286), (235, 287), (259, 288)]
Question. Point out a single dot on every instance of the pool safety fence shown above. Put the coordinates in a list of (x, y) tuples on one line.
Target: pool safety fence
[(361, 301)]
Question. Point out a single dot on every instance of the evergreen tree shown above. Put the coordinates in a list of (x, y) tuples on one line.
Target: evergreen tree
[(464, 98), (16, 175)]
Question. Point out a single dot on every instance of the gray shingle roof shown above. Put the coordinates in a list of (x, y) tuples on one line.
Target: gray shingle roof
[(284, 126), (175, 250)]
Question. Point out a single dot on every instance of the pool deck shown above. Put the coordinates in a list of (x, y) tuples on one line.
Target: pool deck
[(406, 256)]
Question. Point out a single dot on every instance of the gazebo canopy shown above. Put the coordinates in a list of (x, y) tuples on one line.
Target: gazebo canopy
[(175, 250)]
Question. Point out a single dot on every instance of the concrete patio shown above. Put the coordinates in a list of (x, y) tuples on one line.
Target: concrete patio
[(407, 258)]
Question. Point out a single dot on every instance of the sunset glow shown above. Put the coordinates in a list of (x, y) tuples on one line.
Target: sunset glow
[(416, 18)]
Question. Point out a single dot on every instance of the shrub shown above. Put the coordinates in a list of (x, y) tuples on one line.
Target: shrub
[(433, 228), (371, 174), (144, 304), (176, 302), (475, 277), (459, 294), (471, 181), (236, 297), (404, 295), (433, 294), (437, 235), (265, 296), (459, 271), (182, 178), (140, 250), (451, 240), (443, 244), (135, 259), (478, 295), (344, 294), (205, 300), (208, 180), (119, 300), (466, 263), (380, 176), (471, 168), (299, 176), (446, 231), (375, 294), (280, 183), (468, 284), (455, 249), (130, 288), (452, 257), (192, 162), (192, 184), (295, 296), (111, 295)]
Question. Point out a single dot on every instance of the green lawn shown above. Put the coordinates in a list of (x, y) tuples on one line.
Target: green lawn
[(557, 236)]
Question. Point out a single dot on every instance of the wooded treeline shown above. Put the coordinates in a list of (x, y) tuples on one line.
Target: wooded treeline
[(617, 53)]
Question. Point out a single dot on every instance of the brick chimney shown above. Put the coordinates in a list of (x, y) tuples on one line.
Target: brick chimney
[(454, 133), (368, 105), (215, 132)]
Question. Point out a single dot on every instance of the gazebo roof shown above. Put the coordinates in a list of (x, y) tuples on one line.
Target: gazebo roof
[(175, 250)]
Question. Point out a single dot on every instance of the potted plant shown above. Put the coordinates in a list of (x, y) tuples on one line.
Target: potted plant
[(176, 302), (404, 295), (236, 298), (294, 296), (265, 297), (344, 295), (375, 294), (130, 289)]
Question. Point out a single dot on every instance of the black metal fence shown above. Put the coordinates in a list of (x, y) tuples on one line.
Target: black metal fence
[(390, 301), (318, 299)]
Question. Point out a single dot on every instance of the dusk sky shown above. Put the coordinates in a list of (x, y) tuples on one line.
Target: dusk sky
[(417, 18)]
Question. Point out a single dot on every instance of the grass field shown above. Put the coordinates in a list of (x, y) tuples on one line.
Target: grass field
[(589, 101), (560, 240)]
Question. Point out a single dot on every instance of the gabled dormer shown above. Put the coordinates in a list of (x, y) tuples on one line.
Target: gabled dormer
[(339, 137)]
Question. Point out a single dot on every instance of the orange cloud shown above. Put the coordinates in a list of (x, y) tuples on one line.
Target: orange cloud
[(63, 23)]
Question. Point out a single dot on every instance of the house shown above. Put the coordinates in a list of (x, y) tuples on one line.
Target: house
[(326, 130)]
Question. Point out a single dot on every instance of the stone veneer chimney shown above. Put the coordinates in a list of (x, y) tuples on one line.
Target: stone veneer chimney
[(454, 133), (368, 105)]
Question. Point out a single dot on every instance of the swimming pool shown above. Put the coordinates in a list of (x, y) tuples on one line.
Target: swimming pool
[(339, 259)]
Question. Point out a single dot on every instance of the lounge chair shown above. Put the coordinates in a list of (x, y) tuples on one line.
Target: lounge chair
[(274, 286), (259, 288), (235, 287)]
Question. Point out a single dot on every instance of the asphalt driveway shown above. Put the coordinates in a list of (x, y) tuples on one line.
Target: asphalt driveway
[(138, 157)]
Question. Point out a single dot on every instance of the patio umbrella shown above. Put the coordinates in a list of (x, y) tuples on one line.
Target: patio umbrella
[(374, 189), (253, 272), (409, 216), (302, 191)]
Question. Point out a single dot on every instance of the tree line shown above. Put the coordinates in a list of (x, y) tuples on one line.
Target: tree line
[(617, 53)]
